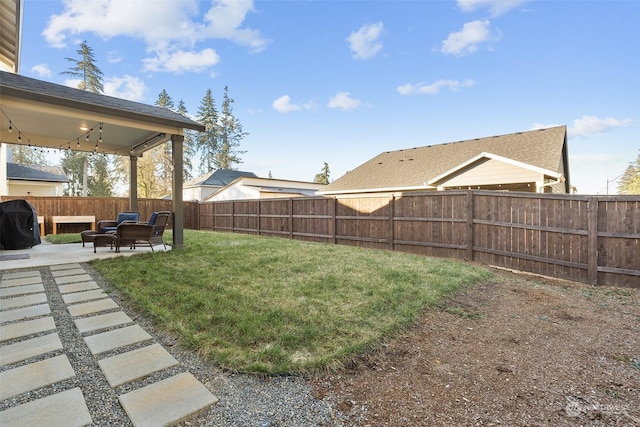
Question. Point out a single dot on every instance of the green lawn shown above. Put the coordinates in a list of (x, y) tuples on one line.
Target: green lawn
[(272, 305)]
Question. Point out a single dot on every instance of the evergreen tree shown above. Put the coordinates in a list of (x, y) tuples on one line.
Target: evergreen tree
[(86, 70), (323, 177), (73, 164), (189, 146), (90, 77), (100, 181), (630, 180), (230, 134), (26, 155), (207, 141)]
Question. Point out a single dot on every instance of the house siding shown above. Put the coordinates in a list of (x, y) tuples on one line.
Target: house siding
[(490, 172)]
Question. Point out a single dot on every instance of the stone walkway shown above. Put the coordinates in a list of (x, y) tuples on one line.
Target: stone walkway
[(36, 362)]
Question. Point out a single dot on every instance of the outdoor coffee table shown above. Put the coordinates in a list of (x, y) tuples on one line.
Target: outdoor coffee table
[(108, 239)]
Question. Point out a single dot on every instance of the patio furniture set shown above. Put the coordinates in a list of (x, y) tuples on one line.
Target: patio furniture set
[(128, 230)]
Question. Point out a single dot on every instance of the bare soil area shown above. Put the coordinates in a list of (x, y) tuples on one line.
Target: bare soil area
[(516, 351)]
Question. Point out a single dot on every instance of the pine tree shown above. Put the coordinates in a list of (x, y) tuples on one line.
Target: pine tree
[(189, 148), (73, 166), (207, 141), (100, 182), (90, 77), (86, 70), (230, 135), (323, 177)]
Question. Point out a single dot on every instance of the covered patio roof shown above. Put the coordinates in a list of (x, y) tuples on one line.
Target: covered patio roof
[(52, 116)]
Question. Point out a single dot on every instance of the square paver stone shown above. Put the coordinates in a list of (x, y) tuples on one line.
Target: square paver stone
[(24, 313), (34, 376), (117, 338), (23, 350), (78, 287), (14, 302), (135, 364), (83, 296), (67, 408), (167, 402), (26, 328), (92, 307), (21, 290), (101, 321)]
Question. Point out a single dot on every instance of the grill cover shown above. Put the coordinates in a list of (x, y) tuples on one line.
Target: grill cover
[(18, 225)]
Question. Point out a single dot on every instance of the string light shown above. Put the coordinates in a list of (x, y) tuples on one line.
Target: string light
[(10, 127)]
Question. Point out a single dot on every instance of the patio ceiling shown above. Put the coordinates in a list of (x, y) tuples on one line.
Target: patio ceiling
[(10, 23), (48, 115)]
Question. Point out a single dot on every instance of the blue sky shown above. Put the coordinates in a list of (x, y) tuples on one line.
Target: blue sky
[(342, 81)]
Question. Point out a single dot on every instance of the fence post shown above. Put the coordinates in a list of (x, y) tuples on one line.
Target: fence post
[(392, 199), (258, 218), (592, 235), (470, 225), (333, 219), (291, 218)]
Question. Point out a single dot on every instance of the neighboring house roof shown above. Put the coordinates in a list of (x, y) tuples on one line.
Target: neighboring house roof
[(542, 150), (270, 186), (17, 171), (217, 178)]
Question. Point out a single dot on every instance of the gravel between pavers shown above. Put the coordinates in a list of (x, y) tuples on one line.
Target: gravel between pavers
[(244, 400)]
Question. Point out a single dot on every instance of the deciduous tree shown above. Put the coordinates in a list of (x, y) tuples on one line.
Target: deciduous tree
[(630, 181)]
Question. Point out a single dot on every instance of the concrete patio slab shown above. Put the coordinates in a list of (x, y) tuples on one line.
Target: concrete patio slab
[(34, 376), (26, 328), (73, 279), (78, 287), (21, 290), (24, 350), (83, 296), (63, 266), (68, 271), (135, 364), (110, 340), (19, 281), (102, 321), (67, 408), (24, 313), (167, 402), (15, 302), (91, 307), (21, 274)]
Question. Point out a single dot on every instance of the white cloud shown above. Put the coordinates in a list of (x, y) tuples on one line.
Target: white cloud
[(590, 125), (42, 70), (168, 26), (344, 101), (74, 83), (365, 43), (496, 7), (434, 88), (113, 57), (125, 87), (468, 39), (284, 105), (181, 61)]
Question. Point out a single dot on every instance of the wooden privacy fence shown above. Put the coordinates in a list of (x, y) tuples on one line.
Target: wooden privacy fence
[(101, 208), (591, 239)]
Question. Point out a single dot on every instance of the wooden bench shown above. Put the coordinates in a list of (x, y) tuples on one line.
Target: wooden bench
[(41, 224), (72, 219)]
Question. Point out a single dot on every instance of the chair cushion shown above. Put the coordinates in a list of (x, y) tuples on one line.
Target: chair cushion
[(128, 216), (152, 218)]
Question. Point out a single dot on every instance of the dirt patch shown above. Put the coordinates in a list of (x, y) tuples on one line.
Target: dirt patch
[(517, 351)]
